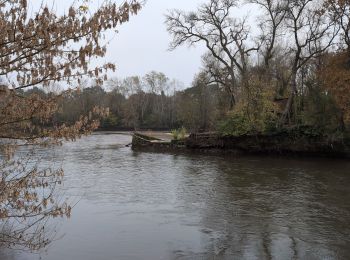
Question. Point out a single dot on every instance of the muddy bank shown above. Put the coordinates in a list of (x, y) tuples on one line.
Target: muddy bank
[(272, 144), (281, 143)]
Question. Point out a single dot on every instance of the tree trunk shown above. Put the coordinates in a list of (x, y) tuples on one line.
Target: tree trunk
[(232, 101), (230, 89), (342, 123), (290, 101)]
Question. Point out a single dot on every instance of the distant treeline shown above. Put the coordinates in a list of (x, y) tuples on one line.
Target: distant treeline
[(155, 102), (149, 102)]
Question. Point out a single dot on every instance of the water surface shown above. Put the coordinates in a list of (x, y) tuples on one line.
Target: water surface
[(137, 205)]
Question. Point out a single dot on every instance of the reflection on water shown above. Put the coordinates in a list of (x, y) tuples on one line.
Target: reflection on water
[(167, 206)]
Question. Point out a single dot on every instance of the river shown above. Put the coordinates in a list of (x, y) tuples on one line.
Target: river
[(139, 205)]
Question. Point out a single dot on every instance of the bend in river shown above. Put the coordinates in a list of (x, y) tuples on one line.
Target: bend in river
[(135, 205)]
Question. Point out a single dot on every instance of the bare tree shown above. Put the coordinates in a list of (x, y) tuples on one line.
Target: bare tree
[(311, 35), (225, 37), (158, 83), (274, 12), (339, 11)]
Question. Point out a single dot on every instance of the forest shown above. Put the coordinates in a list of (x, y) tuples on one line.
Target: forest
[(149, 102), (293, 74)]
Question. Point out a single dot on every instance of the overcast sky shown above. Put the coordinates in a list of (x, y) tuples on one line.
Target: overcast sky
[(142, 44)]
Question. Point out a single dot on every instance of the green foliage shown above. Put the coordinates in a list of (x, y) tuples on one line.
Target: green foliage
[(110, 121), (179, 134), (175, 134), (319, 111), (235, 124), (254, 113), (182, 133)]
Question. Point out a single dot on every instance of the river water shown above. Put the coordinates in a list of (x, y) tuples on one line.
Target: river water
[(139, 205)]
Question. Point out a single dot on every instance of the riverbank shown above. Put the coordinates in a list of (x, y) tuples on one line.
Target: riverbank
[(277, 143)]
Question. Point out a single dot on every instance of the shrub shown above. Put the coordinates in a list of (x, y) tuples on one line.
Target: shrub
[(247, 118), (175, 134), (235, 124), (179, 134), (182, 133), (110, 121)]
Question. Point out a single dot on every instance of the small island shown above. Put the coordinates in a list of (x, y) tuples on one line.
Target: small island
[(283, 143)]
